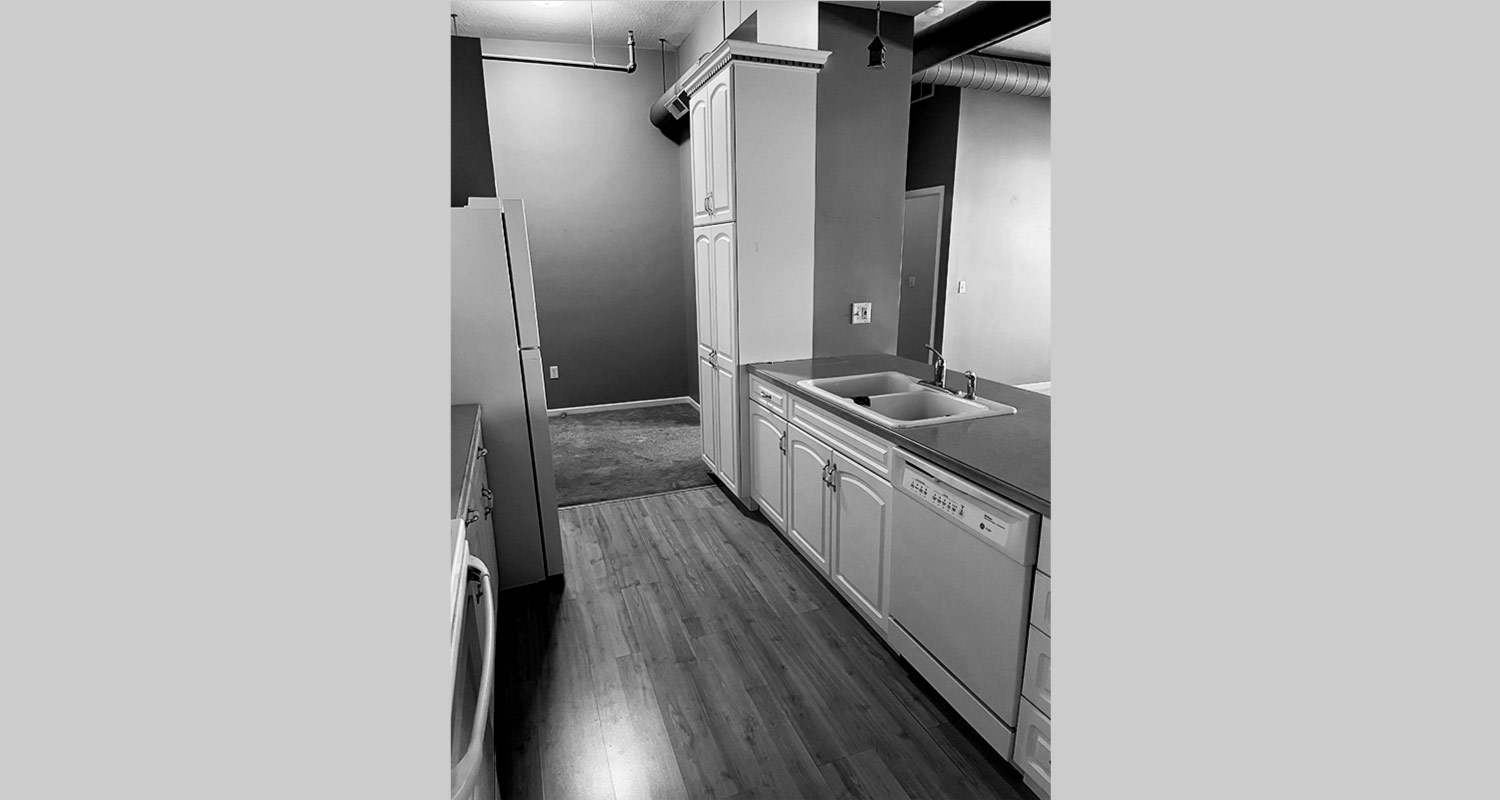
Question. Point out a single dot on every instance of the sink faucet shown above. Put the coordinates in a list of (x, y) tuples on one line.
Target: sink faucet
[(969, 390), (938, 369)]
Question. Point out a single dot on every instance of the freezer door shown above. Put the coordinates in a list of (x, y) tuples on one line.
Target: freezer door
[(519, 251), (541, 455)]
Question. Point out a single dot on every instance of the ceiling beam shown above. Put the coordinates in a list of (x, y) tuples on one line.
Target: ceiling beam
[(974, 28)]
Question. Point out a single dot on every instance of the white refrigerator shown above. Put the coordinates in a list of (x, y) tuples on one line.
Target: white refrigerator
[(497, 363)]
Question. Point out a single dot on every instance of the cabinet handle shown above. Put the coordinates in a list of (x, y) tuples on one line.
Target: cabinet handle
[(488, 510), (825, 472), (488, 495), (765, 395), (782, 443), (483, 452), (470, 517), (833, 472), (705, 205)]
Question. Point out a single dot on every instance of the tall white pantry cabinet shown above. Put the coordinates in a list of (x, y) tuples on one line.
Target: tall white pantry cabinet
[(752, 131)]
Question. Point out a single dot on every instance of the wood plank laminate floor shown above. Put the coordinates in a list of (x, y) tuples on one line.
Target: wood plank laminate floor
[(691, 653)]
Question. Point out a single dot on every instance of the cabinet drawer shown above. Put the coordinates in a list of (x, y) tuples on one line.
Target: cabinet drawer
[(869, 451), (1033, 754), (769, 395), (1036, 686), (1044, 548), (1041, 603)]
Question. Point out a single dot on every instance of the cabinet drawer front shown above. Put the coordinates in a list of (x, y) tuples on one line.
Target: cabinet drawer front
[(1037, 685), (1044, 547), (868, 451), (769, 395), (1041, 603), (1033, 753)]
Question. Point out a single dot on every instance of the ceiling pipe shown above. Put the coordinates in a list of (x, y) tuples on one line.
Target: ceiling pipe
[(990, 75), (975, 27), (558, 62)]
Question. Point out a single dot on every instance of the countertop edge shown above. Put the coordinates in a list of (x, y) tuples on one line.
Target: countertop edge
[(993, 483)]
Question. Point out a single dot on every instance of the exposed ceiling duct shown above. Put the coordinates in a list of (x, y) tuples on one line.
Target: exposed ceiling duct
[(974, 27), (991, 75)]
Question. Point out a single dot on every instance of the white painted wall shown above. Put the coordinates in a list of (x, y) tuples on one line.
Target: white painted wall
[(794, 24), (1001, 240)]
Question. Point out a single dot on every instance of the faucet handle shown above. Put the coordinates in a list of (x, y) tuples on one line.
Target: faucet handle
[(973, 379)]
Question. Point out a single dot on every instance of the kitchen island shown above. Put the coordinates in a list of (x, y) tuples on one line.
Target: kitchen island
[(1010, 455)]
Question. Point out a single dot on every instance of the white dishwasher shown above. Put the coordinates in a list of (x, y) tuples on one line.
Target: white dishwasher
[(961, 592)]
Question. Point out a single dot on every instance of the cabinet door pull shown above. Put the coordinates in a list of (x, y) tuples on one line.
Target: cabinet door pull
[(833, 477), (488, 495), (470, 517), (483, 452), (782, 443)]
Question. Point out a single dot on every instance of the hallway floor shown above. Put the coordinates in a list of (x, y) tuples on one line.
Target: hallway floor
[(634, 452), (692, 654)]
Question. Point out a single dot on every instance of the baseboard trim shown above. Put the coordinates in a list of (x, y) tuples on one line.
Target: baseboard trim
[(693, 403), (663, 401)]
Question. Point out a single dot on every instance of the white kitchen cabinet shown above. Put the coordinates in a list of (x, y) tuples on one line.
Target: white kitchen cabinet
[(726, 402), (752, 127), (1037, 685), (861, 527), (708, 413), (1033, 752), (711, 129), (807, 512), (768, 451), (718, 369)]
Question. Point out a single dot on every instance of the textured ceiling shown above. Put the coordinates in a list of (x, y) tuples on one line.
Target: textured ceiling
[(1033, 45), (569, 21)]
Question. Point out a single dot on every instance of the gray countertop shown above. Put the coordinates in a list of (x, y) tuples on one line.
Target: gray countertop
[(465, 420), (1009, 455)]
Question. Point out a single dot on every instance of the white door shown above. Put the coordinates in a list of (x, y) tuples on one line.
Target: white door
[(861, 504), (725, 400), (807, 496), (721, 148), (708, 410), (768, 463), (723, 285), (698, 147), (703, 277), (1034, 748)]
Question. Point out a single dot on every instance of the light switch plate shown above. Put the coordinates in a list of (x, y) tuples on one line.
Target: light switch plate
[(861, 315), (963, 286), (553, 373)]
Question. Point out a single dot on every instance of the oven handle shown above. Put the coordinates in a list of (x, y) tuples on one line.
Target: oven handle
[(466, 771)]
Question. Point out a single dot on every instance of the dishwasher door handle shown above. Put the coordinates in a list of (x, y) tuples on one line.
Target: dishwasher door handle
[(466, 771)]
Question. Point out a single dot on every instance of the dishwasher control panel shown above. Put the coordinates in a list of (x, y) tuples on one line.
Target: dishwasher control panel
[(989, 523)]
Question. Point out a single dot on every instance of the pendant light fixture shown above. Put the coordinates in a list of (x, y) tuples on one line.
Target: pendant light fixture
[(877, 47)]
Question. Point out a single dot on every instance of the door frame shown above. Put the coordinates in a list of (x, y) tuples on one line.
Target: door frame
[(937, 261)]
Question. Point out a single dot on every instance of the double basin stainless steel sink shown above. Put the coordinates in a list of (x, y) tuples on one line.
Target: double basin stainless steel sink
[(897, 400)]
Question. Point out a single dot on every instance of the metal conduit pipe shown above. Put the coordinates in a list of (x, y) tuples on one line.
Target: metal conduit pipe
[(558, 62), (990, 75)]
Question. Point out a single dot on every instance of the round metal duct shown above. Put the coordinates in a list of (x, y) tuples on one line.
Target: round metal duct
[(990, 75)]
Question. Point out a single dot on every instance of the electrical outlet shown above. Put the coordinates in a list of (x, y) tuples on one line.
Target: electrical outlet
[(861, 315), (963, 286), (553, 373), (911, 281)]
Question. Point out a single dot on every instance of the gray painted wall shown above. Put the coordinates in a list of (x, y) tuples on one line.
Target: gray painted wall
[(604, 205), (861, 180), (1001, 242)]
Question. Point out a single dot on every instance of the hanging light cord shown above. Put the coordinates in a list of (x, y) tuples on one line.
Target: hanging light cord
[(877, 20), (592, 57)]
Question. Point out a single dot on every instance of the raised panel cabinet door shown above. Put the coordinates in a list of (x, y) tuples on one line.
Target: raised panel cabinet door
[(703, 273), (807, 496), (861, 505), (698, 149), (725, 401), (1037, 685), (725, 338), (721, 148), (1033, 752), (768, 463), (708, 409)]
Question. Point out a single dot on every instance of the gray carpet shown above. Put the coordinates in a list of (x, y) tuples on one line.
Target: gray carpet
[(611, 455)]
